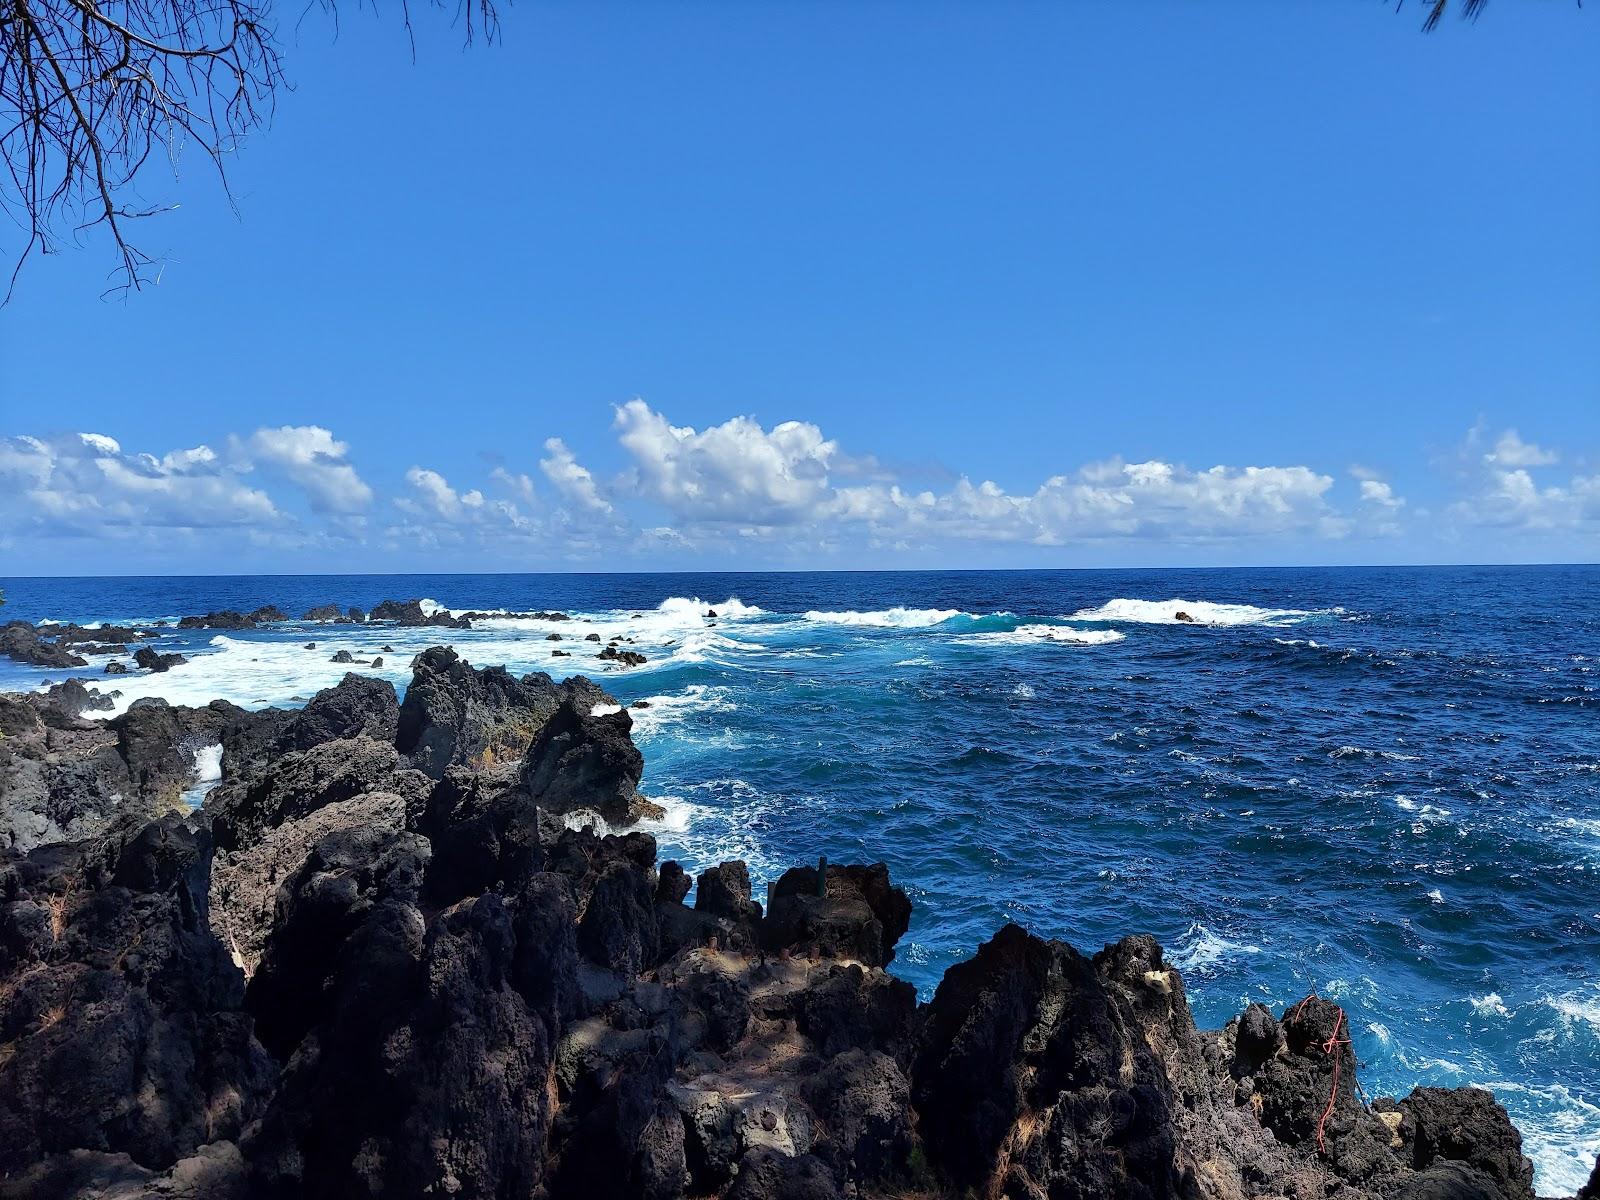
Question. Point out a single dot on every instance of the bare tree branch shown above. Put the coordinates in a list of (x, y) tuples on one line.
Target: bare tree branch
[(92, 90)]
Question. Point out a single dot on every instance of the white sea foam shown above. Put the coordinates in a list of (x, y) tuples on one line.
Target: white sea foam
[(888, 618), (1200, 949), (1165, 612), (1560, 1133), (1023, 692), (1361, 752), (204, 775), (1426, 814), (1578, 1009), (259, 673), (1489, 1006), (1032, 635), (673, 707)]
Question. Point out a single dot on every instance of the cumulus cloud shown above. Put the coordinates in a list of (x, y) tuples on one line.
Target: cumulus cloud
[(1504, 494), (570, 478), (751, 478), (1510, 451), (786, 489), (1111, 499), (83, 484), (733, 472), (436, 507), (314, 460)]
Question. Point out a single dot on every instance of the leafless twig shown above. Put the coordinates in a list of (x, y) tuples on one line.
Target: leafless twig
[(91, 91)]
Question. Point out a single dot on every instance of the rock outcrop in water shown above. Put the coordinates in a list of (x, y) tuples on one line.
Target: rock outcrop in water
[(23, 643), (379, 963), (153, 660), (230, 619), (411, 612)]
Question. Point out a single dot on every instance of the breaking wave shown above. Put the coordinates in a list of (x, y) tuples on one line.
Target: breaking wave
[(1202, 612)]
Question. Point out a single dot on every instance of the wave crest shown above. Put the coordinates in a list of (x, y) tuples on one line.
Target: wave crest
[(888, 618), (1165, 612)]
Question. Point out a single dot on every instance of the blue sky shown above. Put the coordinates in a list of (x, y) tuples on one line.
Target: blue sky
[(854, 285)]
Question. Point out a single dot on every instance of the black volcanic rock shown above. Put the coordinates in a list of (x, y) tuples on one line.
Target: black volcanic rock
[(1466, 1126), (455, 993), (349, 879), (1033, 1026), (227, 619), (410, 612), (120, 1011), (152, 660), (724, 891), (485, 836), (858, 914), (325, 612), (455, 714), (21, 642), (435, 1007), (302, 782), (62, 777), (580, 761), (357, 706), (74, 698)]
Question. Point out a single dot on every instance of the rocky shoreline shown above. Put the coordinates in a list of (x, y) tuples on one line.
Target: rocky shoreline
[(392, 957), (63, 647)]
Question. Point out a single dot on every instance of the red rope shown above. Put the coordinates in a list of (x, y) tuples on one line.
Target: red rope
[(1330, 1047)]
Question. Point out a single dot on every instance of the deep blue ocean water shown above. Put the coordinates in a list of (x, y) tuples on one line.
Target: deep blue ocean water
[(1383, 784)]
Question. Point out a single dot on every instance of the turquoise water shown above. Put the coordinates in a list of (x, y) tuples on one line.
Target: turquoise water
[(1380, 783)]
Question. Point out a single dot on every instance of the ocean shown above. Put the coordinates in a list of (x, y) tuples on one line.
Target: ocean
[(1379, 783)]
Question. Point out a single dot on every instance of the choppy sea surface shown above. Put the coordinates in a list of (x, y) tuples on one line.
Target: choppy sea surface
[(1383, 784)]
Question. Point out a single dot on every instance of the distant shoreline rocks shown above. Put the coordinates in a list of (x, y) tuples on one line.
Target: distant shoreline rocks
[(229, 619)]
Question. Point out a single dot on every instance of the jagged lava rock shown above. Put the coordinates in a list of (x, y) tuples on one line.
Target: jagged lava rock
[(582, 762), (120, 1012), (455, 714), (856, 914)]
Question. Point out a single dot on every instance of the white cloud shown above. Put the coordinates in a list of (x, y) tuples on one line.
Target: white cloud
[(1503, 494), (1510, 451), (85, 484), (1381, 494), (780, 493), (436, 508), (571, 478), (517, 484), (733, 472), (315, 461)]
